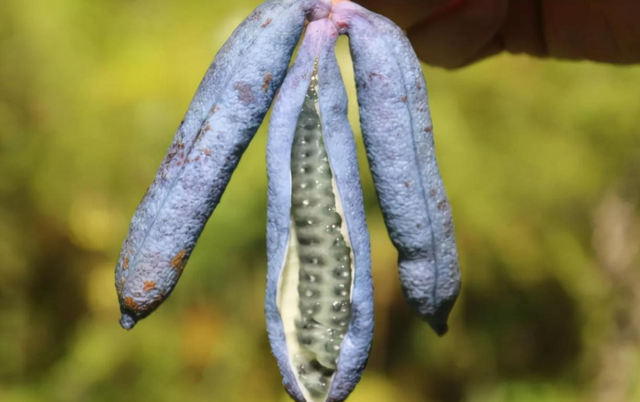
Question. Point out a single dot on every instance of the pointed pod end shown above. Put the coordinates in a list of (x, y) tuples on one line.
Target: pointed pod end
[(432, 305), (438, 321), (440, 327), (127, 321)]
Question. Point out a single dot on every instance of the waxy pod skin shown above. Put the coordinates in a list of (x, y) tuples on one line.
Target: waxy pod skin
[(398, 135), (222, 118), (316, 52)]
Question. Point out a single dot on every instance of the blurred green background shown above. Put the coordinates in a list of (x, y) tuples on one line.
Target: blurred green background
[(542, 164)]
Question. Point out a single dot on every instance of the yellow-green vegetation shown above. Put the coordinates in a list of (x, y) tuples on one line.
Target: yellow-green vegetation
[(541, 160)]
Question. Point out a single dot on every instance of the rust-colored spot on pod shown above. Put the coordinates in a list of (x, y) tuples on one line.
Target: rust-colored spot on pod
[(178, 261), (207, 152), (407, 184), (149, 286), (197, 158), (432, 193), (373, 75), (404, 99), (267, 22), (267, 81), (170, 156), (428, 130), (243, 89), (125, 263), (442, 205), (203, 129), (130, 303)]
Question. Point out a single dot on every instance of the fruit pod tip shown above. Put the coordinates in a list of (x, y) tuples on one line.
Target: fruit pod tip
[(438, 321), (127, 321), (440, 327)]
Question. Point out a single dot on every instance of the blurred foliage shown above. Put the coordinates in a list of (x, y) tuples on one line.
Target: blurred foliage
[(541, 161)]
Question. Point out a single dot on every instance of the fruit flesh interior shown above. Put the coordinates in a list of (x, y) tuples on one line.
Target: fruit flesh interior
[(317, 277)]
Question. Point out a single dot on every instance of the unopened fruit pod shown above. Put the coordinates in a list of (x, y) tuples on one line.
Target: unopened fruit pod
[(398, 136), (223, 117), (319, 301)]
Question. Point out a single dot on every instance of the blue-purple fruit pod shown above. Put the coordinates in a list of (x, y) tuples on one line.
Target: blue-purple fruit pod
[(398, 136), (222, 118), (295, 322)]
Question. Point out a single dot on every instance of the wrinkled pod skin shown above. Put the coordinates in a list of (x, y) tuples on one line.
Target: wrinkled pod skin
[(317, 50), (223, 116), (398, 136)]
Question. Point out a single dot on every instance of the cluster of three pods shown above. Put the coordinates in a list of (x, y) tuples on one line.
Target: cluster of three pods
[(319, 301)]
